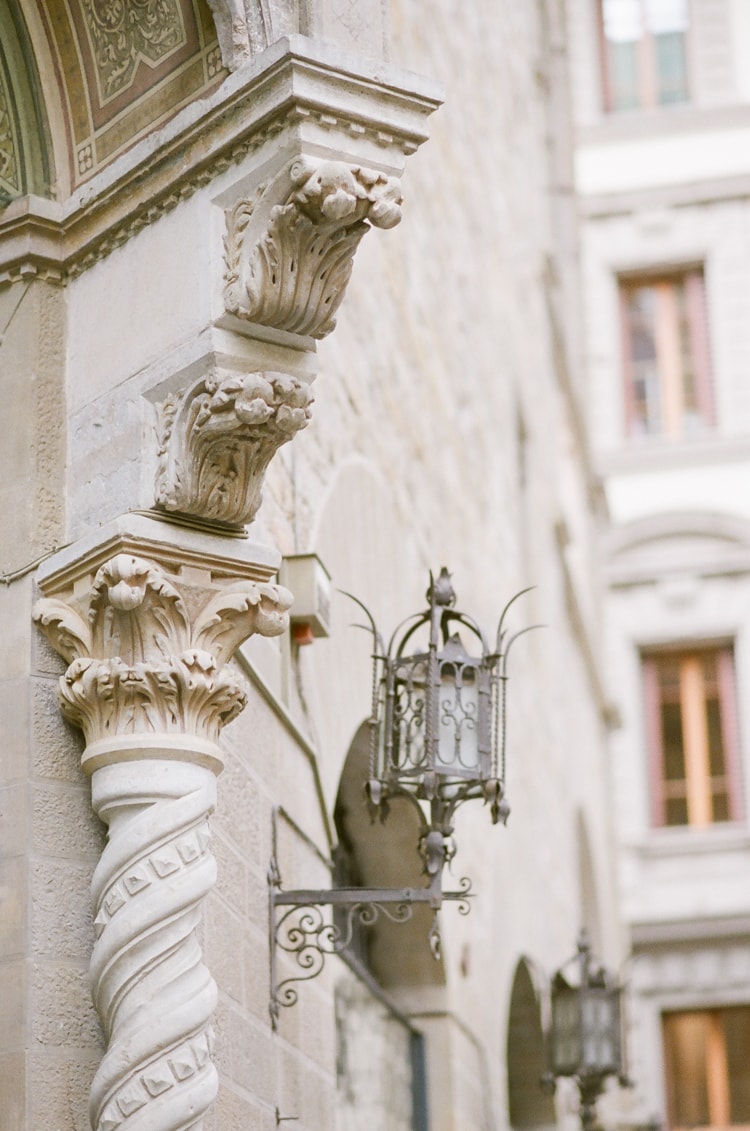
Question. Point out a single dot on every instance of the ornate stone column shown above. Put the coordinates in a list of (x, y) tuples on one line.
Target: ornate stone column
[(148, 614)]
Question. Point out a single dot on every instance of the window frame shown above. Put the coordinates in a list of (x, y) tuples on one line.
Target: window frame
[(715, 1065), (698, 778), (647, 73), (670, 323)]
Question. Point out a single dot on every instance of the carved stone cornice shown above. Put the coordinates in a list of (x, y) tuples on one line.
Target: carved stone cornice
[(217, 438), (287, 267), (297, 94), (148, 615)]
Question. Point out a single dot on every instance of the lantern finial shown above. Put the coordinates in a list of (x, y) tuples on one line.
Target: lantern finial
[(441, 592)]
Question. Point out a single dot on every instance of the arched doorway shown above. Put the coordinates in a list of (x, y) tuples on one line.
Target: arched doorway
[(528, 1104)]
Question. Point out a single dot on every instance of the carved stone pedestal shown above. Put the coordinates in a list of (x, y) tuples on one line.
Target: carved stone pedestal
[(148, 614)]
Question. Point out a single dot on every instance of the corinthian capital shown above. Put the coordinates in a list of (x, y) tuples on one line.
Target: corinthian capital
[(148, 615), (218, 437), (142, 664), (288, 264)]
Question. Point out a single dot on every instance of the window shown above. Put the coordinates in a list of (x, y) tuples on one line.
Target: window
[(665, 356), (690, 714), (707, 1062), (644, 53)]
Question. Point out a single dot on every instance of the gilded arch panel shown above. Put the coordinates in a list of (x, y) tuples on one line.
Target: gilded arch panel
[(124, 67)]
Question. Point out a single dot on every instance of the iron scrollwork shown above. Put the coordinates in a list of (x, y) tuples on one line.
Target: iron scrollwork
[(300, 928)]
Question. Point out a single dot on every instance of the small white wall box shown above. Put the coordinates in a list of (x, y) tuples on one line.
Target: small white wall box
[(310, 582)]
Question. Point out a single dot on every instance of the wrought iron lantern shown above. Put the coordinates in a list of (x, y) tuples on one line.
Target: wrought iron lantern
[(437, 738), (585, 1038), (437, 728)]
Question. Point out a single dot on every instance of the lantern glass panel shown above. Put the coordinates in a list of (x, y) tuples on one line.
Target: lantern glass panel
[(566, 1030), (600, 1017), (458, 720), (406, 721)]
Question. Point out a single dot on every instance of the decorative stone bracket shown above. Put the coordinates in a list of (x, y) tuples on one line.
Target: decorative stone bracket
[(148, 616), (217, 438), (287, 265)]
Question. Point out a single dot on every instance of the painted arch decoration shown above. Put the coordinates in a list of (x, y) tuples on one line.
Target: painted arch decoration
[(112, 70), (24, 150)]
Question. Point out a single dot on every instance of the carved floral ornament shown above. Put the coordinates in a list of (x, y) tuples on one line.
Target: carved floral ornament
[(217, 438), (141, 664), (287, 265), (148, 683), (124, 34)]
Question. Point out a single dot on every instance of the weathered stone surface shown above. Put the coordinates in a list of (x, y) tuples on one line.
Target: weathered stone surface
[(60, 922), (13, 1091)]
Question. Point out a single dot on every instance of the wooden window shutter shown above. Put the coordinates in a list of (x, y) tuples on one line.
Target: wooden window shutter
[(730, 732), (698, 321), (652, 718), (627, 362)]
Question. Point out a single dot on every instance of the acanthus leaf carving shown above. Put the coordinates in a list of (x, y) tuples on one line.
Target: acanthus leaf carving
[(142, 664), (289, 270), (125, 584), (218, 437), (66, 629), (225, 621)]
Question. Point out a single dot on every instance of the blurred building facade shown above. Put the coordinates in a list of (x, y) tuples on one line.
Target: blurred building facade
[(185, 192), (662, 107)]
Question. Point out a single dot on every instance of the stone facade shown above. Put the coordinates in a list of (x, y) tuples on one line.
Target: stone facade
[(171, 357)]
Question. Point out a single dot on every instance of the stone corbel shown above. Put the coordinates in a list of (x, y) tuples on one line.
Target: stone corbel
[(148, 616), (217, 437), (287, 264)]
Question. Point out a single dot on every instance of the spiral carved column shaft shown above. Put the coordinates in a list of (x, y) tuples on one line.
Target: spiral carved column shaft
[(154, 995), (148, 683)]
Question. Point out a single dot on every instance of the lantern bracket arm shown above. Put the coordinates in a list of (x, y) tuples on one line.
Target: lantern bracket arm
[(299, 928), (431, 894)]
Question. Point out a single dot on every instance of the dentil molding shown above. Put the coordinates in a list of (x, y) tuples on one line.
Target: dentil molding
[(217, 437), (148, 615), (287, 264)]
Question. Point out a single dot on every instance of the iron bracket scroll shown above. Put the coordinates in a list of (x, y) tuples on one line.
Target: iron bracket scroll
[(299, 927)]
